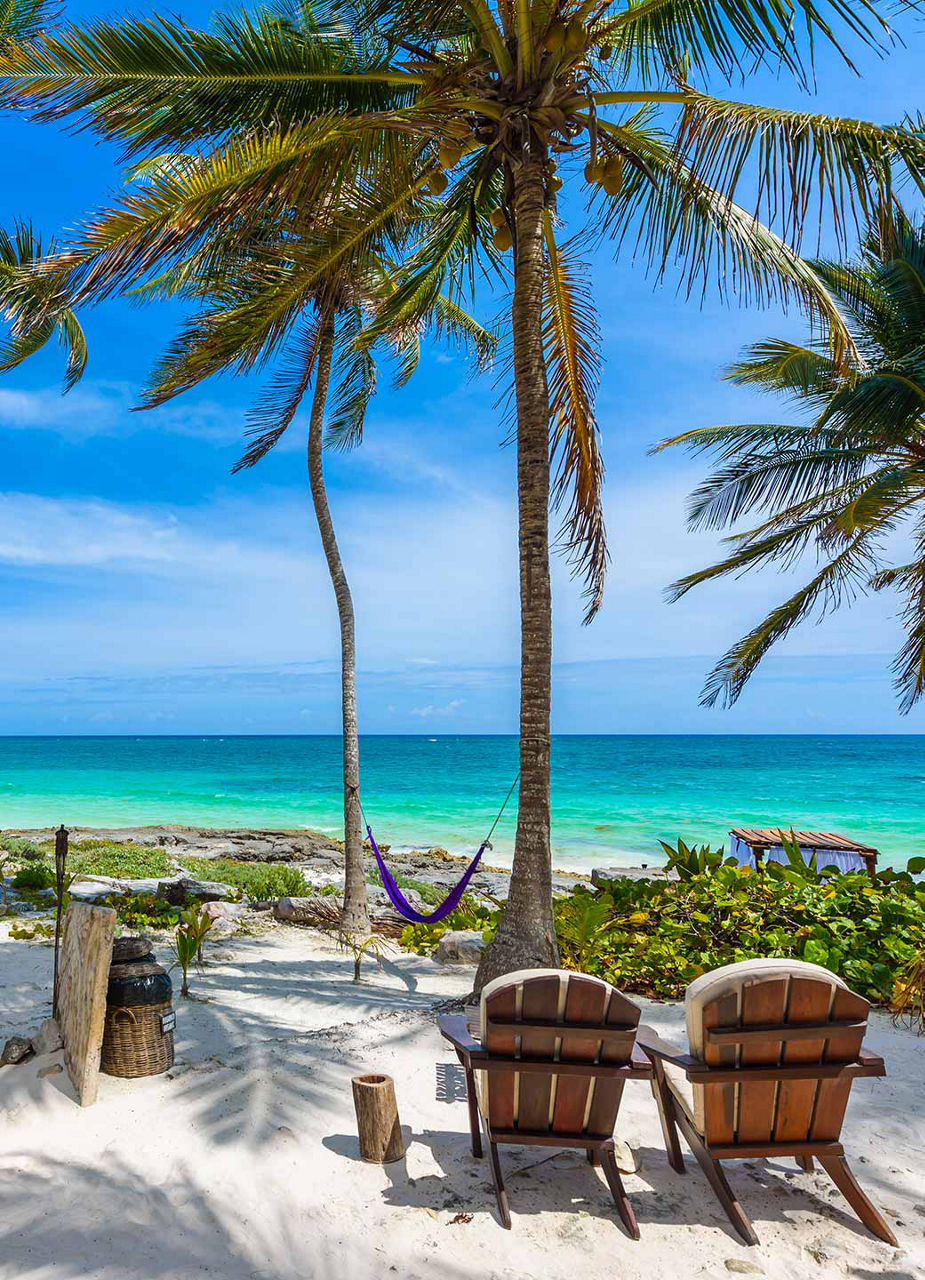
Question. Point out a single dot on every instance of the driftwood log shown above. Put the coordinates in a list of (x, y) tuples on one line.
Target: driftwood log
[(86, 951), (377, 1119)]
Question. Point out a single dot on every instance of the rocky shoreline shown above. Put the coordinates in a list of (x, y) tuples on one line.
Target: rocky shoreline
[(319, 856)]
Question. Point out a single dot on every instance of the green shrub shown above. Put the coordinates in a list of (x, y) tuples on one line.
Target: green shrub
[(143, 911), (122, 860), (470, 915), (655, 936), (257, 881), (35, 876), (20, 847)]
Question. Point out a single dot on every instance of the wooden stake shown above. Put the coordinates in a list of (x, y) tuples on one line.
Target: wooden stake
[(377, 1119)]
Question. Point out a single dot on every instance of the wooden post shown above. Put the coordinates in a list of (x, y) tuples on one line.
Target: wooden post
[(377, 1119), (61, 838)]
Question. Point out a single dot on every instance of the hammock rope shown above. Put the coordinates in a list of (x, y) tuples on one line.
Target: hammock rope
[(453, 899)]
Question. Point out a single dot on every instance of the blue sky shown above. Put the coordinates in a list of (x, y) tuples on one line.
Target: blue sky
[(143, 588)]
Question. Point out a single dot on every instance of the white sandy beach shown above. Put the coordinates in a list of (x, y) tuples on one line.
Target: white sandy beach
[(242, 1161)]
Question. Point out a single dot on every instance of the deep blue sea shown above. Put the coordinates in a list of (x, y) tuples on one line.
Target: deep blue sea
[(612, 797)]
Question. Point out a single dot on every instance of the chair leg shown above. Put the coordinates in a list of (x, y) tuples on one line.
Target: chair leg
[(668, 1117), (721, 1188), (617, 1190), (504, 1209), (592, 1156), (806, 1163), (838, 1170), (474, 1117)]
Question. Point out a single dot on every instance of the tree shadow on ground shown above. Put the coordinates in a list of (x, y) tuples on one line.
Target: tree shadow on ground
[(76, 1221), (563, 1181)]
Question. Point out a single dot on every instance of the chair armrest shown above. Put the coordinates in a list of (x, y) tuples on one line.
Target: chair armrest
[(654, 1046), (452, 1027), (872, 1063)]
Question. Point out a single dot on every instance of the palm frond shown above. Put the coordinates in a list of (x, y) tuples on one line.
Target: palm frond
[(274, 412), (154, 83), (683, 222), (571, 346), (355, 374), (22, 20), (732, 36), (846, 166), (842, 578)]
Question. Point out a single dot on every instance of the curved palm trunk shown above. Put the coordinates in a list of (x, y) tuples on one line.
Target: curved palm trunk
[(526, 936), (355, 917)]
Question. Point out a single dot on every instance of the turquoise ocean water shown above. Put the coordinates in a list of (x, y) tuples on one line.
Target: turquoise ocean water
[(613, 797)]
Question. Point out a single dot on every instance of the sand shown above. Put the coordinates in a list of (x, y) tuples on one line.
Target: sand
[(242, 1162)]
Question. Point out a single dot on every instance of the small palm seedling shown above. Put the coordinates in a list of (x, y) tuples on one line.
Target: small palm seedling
[(360, 945), (195, 923)]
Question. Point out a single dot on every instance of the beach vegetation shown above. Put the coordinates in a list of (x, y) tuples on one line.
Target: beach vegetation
[(371, 945), (255, 881), (119, 859), (35, 876), (908, 1001), (194, 925), (35, 930), (836, 486), (21, 848), (654, 936), (691, 860)]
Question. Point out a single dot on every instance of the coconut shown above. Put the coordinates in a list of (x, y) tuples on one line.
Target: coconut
[(450, 155), (438, 183), (555, 38), (502, 239), (497, 218)]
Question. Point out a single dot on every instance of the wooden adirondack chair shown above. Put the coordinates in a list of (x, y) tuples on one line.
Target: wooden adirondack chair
[(774, 1048), (547, 1067)]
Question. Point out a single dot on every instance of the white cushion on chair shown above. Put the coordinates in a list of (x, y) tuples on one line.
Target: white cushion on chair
[(733, 979), (518, 978)]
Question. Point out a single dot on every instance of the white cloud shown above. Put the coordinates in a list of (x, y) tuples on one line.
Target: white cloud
[(431, 710), (105, 408)]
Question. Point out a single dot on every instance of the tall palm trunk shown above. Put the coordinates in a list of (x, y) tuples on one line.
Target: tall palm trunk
[(355, 917), (526, 936)]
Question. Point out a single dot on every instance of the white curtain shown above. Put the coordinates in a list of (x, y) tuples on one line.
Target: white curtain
[(843, 859)]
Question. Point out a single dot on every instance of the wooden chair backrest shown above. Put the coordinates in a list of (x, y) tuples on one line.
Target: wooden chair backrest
[(552, 1016), (772, 1022)]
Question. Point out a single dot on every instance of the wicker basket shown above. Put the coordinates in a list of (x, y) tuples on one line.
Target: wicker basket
[(127, 950), (138, 1040)]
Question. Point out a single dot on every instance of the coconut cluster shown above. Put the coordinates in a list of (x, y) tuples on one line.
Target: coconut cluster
[(606, 173)]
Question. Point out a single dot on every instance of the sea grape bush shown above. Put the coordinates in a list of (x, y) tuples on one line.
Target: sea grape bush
[(256, 881), (654, 936)]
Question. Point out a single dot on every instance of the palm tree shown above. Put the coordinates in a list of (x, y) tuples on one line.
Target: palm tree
[(488, 99), (233, 330), (845, 480), (35, 304)]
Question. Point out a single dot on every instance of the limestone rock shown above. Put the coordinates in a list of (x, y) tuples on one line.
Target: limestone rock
[(460, 946), (742, 1267), (225, 917), (177, 891), (48, 1038), (16, 1049)]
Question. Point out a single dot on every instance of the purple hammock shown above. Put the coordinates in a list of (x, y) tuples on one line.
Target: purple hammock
[(453, 899), (401, 903)]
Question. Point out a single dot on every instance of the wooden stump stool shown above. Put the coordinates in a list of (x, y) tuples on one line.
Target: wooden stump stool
[(377, 1119)]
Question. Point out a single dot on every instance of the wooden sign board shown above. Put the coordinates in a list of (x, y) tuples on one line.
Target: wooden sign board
[(86, 954)]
